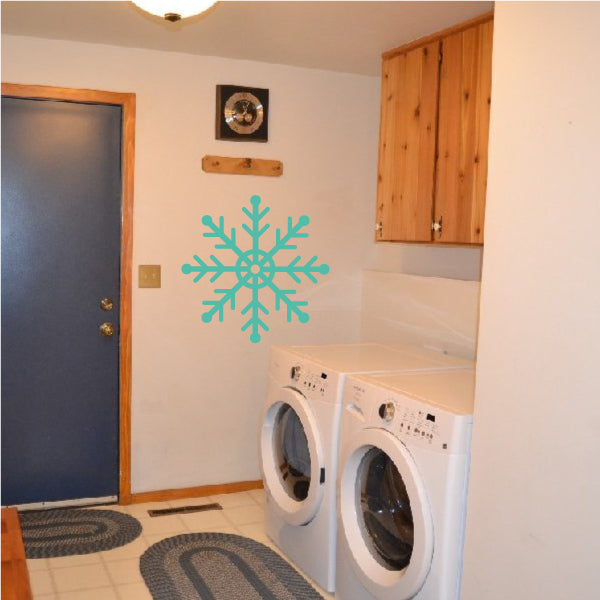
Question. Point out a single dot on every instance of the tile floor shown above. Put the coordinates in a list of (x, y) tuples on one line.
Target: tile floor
[(115, 575)]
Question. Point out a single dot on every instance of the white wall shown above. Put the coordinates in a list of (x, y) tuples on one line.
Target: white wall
[(436, 312), (198, 388), (533, 525), (460, 262)]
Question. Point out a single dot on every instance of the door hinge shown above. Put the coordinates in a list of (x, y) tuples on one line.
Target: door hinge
[(436, 227)]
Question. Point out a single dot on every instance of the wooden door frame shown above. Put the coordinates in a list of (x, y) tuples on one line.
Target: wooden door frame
[(127, 103)]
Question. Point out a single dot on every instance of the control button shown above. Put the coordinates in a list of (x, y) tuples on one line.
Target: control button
[(295, 373)]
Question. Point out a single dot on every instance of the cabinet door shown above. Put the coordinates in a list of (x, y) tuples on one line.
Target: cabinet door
[(464, 113), (407, 145)]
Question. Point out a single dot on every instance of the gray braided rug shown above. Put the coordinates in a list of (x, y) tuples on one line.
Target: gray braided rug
[(65, 532), (220, 566)]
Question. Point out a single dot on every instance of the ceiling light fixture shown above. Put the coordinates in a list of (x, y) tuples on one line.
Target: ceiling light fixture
[(174, 10)]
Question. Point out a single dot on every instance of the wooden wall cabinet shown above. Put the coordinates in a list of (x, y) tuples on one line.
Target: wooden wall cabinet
[(435, 105)]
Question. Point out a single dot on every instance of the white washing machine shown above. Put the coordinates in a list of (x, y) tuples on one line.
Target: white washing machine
[(402, 485), (299, 442)]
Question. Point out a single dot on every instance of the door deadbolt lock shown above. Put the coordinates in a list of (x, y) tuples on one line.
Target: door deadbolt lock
[(107, 329), (106, 304)]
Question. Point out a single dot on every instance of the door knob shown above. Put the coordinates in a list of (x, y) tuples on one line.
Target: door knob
[(107, 329), (106, 304)]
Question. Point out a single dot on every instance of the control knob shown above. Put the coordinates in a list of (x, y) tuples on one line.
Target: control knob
[(386, 411)]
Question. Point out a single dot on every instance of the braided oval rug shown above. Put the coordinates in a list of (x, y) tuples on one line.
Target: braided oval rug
[(220, 566), (65, 532)]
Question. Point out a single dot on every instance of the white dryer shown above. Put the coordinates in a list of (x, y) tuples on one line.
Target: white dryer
[(402, 485), (299, 441)]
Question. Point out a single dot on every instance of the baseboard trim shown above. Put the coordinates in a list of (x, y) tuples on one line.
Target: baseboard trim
[(79, 502), (193, 492)]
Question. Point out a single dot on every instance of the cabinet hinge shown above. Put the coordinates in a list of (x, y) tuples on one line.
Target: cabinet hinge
[(379, 228), (436, 227)]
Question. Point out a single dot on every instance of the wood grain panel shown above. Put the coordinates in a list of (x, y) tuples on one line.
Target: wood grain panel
[(242, 166), (389, 143), (127, 102), (19, 90), (125, 355), (15, 578), (407, 145), (484, 93), (464, 105)]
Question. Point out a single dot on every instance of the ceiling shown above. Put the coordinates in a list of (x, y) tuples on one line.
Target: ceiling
[(336, 36)]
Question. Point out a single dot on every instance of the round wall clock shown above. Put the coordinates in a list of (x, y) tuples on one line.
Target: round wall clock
[(242, 113)]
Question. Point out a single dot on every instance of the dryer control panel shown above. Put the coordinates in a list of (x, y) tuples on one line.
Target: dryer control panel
[(414, 422), (411, 420), (309, 378)]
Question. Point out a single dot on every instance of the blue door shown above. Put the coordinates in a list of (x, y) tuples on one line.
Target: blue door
[(61, 215)]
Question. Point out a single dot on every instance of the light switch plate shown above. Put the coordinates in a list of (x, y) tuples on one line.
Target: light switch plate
[(149, 276)]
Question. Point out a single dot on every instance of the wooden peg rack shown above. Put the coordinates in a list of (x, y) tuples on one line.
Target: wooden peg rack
[(242, 166)]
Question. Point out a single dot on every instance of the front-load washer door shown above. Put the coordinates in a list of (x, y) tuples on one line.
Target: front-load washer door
[(385, 514), (292, 456)]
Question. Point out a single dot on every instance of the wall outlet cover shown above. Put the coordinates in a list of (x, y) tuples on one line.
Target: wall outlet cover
[(149, 276)]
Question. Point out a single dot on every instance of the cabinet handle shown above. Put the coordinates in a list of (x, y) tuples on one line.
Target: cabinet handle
[(436, 227)]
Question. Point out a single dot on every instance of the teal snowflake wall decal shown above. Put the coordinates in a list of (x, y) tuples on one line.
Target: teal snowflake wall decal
[(255, 269)]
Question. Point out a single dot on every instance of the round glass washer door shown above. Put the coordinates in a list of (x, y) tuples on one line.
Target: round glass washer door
[(386, 518), (292, 457), (384, 510)]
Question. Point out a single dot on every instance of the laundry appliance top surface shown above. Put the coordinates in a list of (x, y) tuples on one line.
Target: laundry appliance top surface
[(365, 358), (452, 391)]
